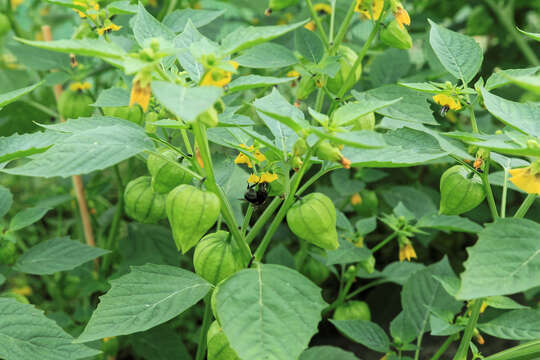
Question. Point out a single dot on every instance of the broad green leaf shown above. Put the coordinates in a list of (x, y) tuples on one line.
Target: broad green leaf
[(503, 302), (526, 351), (160, 343), (268, 312), (502, 77), (441, 327), (364, 332), (460, 55), (178, 19), (265, 56), (27, 217), (6, 199), (86, 47), (93, 144), (121, 7), (26, 333), (363, 139), (255, 81), (399, 272), (233, 180), (347, 253), (415, 200), (183, 41), (309, 45), (403, 329), (535, 36), (495, 269), (17, 146), (326, 352), (522, 117), (423, 295), (40, 59), (186, 103), (145, 27), (527, 82), (14, 95), (423, 87), (148, 296), (278, 108), (413, 106), (389, 67), (449, 223), (56, 255), (113, 97), (514, 325), (246, 37), (348, 113)]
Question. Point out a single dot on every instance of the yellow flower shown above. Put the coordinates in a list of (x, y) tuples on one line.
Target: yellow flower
[(447, 100), (356, 199), (140, 94), (110, 26), (24, 290), (527, 178), (310, 26), (406, 252), (345, 162), (402, 16), (483, 307), (322, 8), (218, 77), (79, 86), (259, 156), (293, 73), (254, 179), (91, 5), (243, 159), (376, 8), (268, 177), (248, 148)]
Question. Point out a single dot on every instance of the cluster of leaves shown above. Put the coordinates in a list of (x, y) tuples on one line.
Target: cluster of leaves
[(150, 299)]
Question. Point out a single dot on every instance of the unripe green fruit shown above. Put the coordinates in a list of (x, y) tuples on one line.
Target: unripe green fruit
[(191, 212), (165, 175), (8, 253), (209, 117), (313, 218), (366, 122), (142, 203), (311, 268), (368, 265), (132, 113), (75, 104), (306, 86), (346, 61), (5, 25), (216, 257), (300, 147), (218, 344), (327, 151), (395, 35), (352, 310), (461, 191), (281, 4), (296, 163), (368, 203)]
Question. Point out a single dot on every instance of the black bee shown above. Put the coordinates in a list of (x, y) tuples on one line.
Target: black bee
[(444, 110), (257, 196)]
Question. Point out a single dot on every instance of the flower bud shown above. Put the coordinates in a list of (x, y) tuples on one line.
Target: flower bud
[(396, 36)]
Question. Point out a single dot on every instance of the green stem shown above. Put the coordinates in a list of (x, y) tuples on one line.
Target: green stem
[(316, 177), (116, 219), (319, 102), (506, 18), (177, 164), (384, 242), (463, 348), (473, 120), (42, 108), (263, 219), (364, 288), (332, 22), (489, 193), (527, 351), (318, 23), (525, 205), (226, 209), (247, 218), (449, 340), (201, 349), (418, 346), (504, 192), (344, 27)]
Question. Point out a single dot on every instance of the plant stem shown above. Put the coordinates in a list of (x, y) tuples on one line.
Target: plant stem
[(201, 349), (473, 120), (463, 348), (384, 242), (504, 192), (318, 23), (268, 212), (332, 22), (418, 346), (489, 193), (116, 219), (525, 205), (41, 108), (319, 102), (344, 27), (364, 288), (247, 218), (316, 177), (449, 340), (527, 351), (226, 209)]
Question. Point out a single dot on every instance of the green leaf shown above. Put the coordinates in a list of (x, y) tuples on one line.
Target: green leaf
[(178, 19), (183, 41), (503, 302), (415, 200), (530, 83), (6, 199), (160, 343), (402, 328), (449, 223), (526, 351), (265, 56), (186, 103), (364, 332), (255, 81), (121, 7), (535, 36), (495, 269), (363, 139), (502, 77), (14, 95), (309, 45), (148, 296), (146, 27), (347, 253), (413, 106), (85, 47), (17, 146), (348, 113), (27, 217), (522, 117), (26, 333), (460, 55), (92, 144), (510, 142), (326, 352), (246, 37), (399, 272), (389, 67), (441, 327), (113, 97), (422, 87), (423, 295), (514, 325), (259, 317), (56, 255), (233, 180)]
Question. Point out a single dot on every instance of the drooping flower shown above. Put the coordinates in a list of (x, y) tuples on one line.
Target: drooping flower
[(322, 8), (268, 177), (402, 16), (254, 179), (91, 8), (259, 156), (362, 7), (79, 86), (447, 100), (311, 26), (140, 94), (356, 199), (406, 250), (527, 178), (243, 159)]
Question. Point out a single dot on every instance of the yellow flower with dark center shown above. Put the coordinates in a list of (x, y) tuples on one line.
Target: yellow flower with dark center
[(402, 16), (254, 179), (109, 26), (362, 7), (310, 26), (527, 178), (406, 252), (91, 6), (268, 177), (79, 86), (218, 77), (447, 100), (140, 94), (322, 8)]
